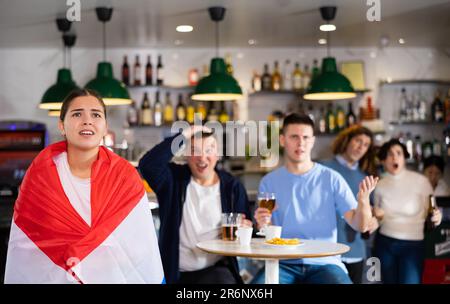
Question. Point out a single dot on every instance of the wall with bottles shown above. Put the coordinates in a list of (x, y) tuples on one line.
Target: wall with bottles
[(37, 69)]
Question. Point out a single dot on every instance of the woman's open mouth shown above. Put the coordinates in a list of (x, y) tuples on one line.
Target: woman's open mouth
[(86, 133)]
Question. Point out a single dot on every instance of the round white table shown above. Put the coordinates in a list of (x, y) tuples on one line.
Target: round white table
[(271, 254)]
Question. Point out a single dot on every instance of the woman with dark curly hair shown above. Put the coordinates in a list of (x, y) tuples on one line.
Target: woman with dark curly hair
[(353, 159)]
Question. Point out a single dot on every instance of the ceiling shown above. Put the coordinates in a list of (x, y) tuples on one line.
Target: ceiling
[(272, 23)]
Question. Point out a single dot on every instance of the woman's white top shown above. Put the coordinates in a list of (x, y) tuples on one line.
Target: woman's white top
[(404, 198)]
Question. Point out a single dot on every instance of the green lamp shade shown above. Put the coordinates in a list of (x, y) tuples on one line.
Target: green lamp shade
[(330, 84), (54, 96), (219, 85), (112, 91)]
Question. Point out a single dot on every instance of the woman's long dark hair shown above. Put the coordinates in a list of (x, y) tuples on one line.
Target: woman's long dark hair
[(78, 93), (339, 146)]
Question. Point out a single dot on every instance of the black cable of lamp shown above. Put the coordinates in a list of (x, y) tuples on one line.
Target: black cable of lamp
[(104, 15), (217, 13), (69, 42), (328, 44)]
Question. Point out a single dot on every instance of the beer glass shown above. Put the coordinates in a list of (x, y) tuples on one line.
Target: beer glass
[(266, 200), (230, 224)]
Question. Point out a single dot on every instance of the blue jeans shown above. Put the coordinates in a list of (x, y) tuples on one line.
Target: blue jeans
[(308, 274), (401, 261)]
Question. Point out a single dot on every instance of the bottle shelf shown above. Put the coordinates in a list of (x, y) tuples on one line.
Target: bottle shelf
[(161, 87), (295, 92), (415, 82), (416, 123)]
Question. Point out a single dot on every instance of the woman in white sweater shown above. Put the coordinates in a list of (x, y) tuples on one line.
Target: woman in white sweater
[(401, 200)]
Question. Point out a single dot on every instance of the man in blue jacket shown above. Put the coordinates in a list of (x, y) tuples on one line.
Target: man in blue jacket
[(191, 199)]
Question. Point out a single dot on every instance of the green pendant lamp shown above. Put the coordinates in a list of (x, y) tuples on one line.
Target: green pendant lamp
[(112, 91), (329, 84), (219, 85), (54, 96)]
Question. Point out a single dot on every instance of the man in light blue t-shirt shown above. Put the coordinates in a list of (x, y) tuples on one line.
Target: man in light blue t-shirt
[(308, 195)]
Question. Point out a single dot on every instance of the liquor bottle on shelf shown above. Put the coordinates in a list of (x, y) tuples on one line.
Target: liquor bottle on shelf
[(429, 225), (180, 110), (437, 147), (266, 79), (168, 110), (132, 114), (417, 152), (306, 77), (331, 120), (416, 108), (351, 117), (256, 82), (287, 75), (297, 78), (276, 78), (228, 64), (193, 77), (315, 70), (125, 71), (447, 143), (437, 109), (223, 116), (422, 108), (340, 118), (146, 111), (212, 114), (447, 108), (149, 71), (410, 109), (370, 110), (137, 71), (310, 112), (322, 121), (409, 143), (201, 110), (190, 111), (159, 72), (403, 105), (158, 111), (427, 149)]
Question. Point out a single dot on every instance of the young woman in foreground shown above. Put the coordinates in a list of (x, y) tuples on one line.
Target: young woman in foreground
[(82, 214)]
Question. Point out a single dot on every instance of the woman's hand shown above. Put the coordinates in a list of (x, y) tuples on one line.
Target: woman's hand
[(436, 218), (379, 213)]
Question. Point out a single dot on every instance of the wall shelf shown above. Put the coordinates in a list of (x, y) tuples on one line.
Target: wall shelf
[(292, 92), (417, 123), (415, 82)]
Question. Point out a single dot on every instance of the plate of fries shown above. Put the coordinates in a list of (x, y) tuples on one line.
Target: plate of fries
[(284, 243)]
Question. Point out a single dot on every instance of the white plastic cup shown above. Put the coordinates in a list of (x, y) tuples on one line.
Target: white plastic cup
[(272, 232), (244, 235)]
